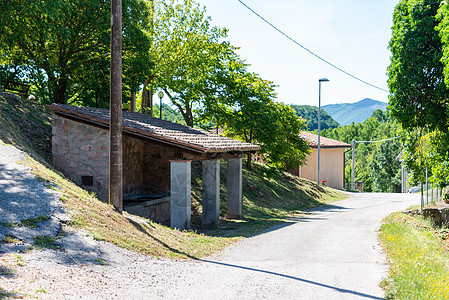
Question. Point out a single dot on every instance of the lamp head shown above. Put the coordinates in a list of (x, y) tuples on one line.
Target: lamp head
[(323, 80), (160, 94)]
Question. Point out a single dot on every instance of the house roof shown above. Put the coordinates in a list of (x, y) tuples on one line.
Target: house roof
[(156, 129), (312, 140)]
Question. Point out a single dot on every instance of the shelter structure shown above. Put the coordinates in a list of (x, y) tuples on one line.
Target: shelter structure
[(157, 157), (332, 160)]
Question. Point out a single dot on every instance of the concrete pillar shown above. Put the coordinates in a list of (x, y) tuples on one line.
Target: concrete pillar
[(234, 188), (180, 194), (211, 192)]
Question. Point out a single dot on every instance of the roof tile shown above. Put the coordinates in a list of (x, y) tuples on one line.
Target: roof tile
[(312, 140), (160, 129)]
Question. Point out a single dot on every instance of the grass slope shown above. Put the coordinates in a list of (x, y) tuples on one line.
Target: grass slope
[(269, 198), (25, 125), (418, 255)]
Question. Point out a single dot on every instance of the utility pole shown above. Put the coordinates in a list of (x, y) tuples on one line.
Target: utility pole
[(353, 163), (115, 128)]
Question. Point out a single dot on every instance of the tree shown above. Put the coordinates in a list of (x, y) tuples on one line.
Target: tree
[(69, 41), (384, 167), (418, 95), (310, 113), (374, 161), (251, 114), (186, 50)]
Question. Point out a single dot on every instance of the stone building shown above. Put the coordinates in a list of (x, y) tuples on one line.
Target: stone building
[(157, 157), (332, 160)]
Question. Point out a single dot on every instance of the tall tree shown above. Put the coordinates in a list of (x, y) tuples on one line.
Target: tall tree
[(186, 50), (251, 114), (418, 95), (68, 40)]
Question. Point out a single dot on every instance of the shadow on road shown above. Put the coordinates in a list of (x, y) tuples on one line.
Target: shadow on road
[(306, 216), (340, 290)]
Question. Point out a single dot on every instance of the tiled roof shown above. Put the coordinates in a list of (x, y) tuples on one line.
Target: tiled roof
[(156, 128), (312, 140)]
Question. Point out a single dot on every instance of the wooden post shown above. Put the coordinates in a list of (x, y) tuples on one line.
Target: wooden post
[(115, 128)]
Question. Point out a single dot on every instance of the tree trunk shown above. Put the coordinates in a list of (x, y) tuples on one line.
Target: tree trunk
[(248, 161), (58, 88), (144, 104), (132, 105), (59, 94), (187, 115), (249, 156), (150, 100)]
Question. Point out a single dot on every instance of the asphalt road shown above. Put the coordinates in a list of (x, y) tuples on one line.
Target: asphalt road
[(328, 253), (331, 253)]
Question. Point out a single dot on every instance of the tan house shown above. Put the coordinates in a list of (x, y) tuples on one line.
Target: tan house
[(332, 160)]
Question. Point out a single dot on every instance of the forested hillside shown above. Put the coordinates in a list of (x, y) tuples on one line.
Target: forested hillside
[(310, 113), (346, 113), (376, 163)]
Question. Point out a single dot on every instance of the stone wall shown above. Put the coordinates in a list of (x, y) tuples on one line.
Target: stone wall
[(156, 173), (81, 150), (82, 153), (133, 167)]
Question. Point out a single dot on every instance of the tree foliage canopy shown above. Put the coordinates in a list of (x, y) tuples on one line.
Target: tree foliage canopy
[(375, 163), (310, 114), (168, 45), (418, 80), (418, 95), (69, 41)]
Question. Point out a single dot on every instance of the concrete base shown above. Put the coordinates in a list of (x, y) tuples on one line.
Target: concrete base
[(180, 194), (211, 192), (234, 185)]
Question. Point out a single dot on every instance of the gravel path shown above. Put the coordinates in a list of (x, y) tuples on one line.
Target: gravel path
[(329, 253), (24, 197)]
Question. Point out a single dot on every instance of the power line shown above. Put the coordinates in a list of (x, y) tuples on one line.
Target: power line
[(316, 55), (378, 141)]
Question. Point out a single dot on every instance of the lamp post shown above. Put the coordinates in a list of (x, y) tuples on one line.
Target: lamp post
[(319, 124), (160, 95)]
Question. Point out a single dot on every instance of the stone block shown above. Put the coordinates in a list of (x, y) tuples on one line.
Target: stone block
[(211, 192), (234, 188), (180, 194), (439, 215)]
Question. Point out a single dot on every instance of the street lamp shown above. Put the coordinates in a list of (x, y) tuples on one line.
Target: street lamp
[(160, 95), (319, 124)]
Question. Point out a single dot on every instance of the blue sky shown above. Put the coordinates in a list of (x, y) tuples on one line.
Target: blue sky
[(352, 34)]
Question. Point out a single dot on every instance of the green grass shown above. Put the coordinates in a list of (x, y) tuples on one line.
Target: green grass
[(33, 222), (268, 200), (7, 239), (418, 258), (45, 242), (30, 223), (26, 125)]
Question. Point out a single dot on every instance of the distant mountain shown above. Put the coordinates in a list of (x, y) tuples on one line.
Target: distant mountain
[(310, 113), (346, 113)]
